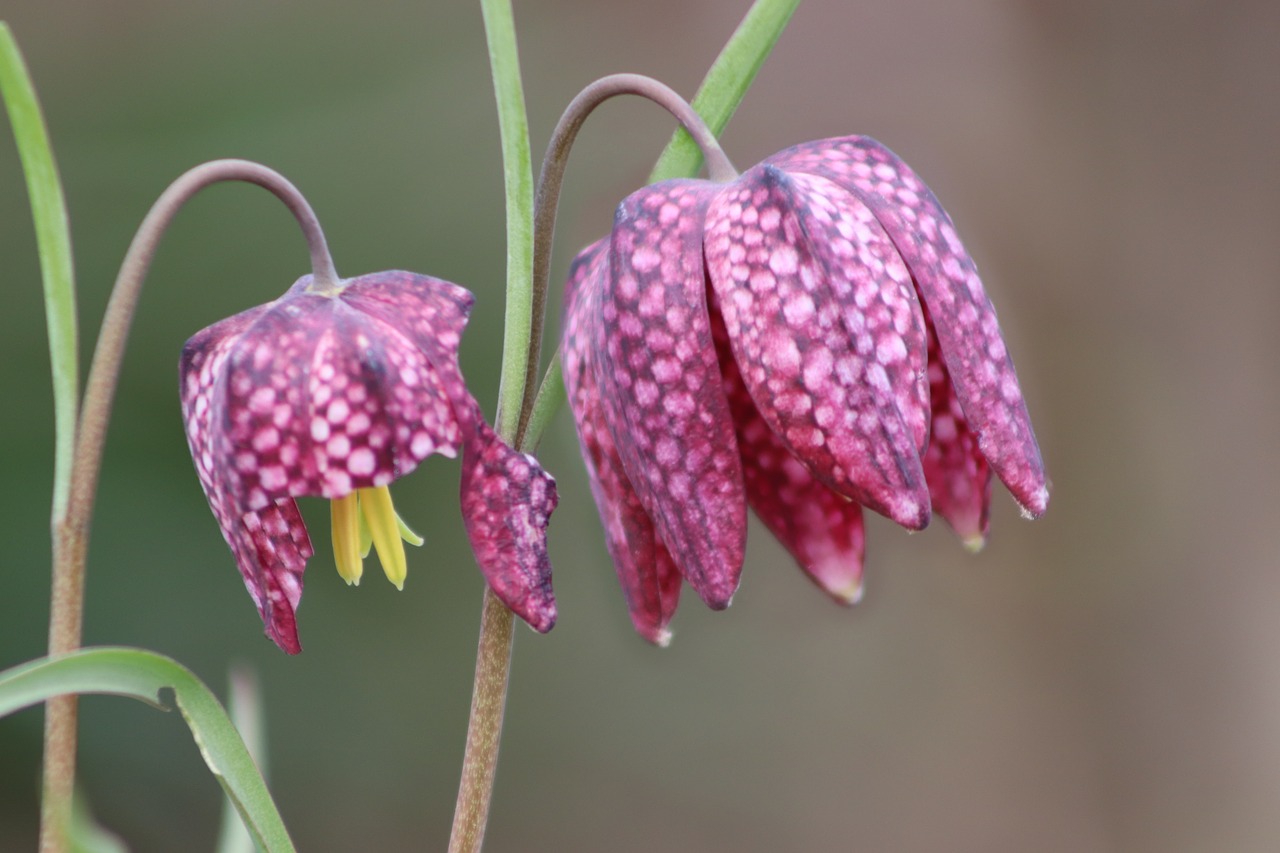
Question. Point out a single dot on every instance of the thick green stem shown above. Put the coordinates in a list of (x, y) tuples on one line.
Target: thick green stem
[(71, 534)]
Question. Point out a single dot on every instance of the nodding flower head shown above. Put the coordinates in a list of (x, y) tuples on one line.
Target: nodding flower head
[(336, 391), (810, 338)]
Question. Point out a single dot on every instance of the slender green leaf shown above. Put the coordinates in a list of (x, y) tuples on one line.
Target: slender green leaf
[(517, 168), (244, 701), (53, 239), (726, 83), (551, 396), (143, 675)]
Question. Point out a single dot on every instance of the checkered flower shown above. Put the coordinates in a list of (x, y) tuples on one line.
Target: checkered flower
[(335, 392), (809, 339)]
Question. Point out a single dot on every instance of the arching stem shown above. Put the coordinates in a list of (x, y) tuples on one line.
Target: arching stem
[(719, 169), (71, 536)]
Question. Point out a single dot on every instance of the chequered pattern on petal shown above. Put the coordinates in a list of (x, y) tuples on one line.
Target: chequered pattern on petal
[(649, 578), (659, 384), (958, 474), (822, 530), (507, 498), (270, 545), (507, 501), (321, 393), (972, 347), (819, 373)]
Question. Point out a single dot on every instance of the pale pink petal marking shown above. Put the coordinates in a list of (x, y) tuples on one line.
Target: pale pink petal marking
[(811, 369), (953, 296), (659, 383), (648, 576)]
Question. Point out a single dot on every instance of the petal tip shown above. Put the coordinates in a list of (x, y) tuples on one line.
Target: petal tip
[(974, 542), (1035, 503), (910, 511), (850, 594), (660, 637)]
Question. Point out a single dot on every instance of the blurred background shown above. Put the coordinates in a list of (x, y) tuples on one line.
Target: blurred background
[(1104, 679)]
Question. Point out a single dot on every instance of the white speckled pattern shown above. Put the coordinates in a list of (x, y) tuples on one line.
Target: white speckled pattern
[(318, 395)]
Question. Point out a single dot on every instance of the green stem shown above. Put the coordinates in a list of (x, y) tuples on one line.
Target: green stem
[(726, 83), (71, 535), (520, 347), (549, 183)]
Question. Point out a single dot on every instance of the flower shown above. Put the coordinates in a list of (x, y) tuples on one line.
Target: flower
[(335, 391), (810, 338)]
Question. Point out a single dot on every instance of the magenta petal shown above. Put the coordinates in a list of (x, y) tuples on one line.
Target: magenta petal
[(659, 383), (507, 501), (346, 387), (270, 544), (817, 371), (822, 530), (981, 370), (507, 498), (649, 578), (958, 474)]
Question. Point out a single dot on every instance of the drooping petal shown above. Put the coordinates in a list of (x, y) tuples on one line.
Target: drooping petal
[(972, 347), (270, 543), (659, 384), (507, 498), (958, 474), (650, 581), (822, 530), (817, 312)]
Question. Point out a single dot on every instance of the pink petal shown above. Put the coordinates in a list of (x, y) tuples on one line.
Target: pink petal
[(507, 501), (981, 370), (822, 530), (270, 544), (814, 305), (660, 389), (507, 498), (649, 578), (958, 474)]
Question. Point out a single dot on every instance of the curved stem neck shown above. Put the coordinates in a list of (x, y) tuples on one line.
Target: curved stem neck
[(71, 534), (719, 169)]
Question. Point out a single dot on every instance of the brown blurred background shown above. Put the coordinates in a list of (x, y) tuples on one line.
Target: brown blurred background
[(1102, 680)]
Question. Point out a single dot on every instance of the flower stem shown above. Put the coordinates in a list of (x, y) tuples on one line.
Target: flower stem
[(484, 730), (71, 534), (549, 182)]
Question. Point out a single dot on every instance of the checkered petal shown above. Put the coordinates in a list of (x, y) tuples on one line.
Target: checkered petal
[(659, 385), (972, 348), (320, 393), (822, 530), (827, 333), (649, 578)]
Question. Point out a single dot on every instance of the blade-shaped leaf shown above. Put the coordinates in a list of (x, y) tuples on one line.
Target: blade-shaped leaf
[(726, 84), (143, 675)]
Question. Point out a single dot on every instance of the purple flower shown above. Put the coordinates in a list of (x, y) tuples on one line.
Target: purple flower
[(810, 338), (334, 392)]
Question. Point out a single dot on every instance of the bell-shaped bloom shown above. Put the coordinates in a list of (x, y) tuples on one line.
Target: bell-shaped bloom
[(335, 392), (809, 339)]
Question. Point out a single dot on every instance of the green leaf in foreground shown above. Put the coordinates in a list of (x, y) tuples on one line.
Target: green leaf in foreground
[(143, 675), (53, 239), (726, 84)]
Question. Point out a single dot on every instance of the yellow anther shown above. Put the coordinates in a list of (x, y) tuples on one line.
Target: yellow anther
[(384, 528), (345, 519)]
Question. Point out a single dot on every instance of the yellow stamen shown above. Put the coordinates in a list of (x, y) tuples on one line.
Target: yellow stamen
[(384, 528), (366, 538), (345, 520), (406, 534)]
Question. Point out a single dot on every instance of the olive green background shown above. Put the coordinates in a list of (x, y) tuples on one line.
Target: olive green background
[(1104, 679)]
